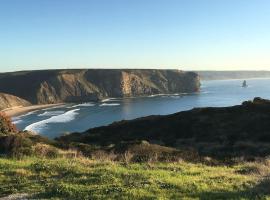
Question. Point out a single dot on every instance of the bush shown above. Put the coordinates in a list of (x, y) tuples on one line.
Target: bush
[(6, 125), (102, 155), (70, 153), (142, 151), (15, 145), (44, 150)]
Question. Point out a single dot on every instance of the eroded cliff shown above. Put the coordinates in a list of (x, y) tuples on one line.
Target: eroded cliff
[(7, 101), (54, 86)]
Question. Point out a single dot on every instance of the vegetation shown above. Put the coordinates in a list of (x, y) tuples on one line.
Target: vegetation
[(82, 178), (18, 144), (6, 125), (222, 133), (125, 166)]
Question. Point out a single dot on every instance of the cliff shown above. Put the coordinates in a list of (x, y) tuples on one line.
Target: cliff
[(55, 86), (241, 130), (7, 101)]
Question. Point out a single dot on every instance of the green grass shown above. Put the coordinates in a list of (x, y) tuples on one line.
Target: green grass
[(80, 178)]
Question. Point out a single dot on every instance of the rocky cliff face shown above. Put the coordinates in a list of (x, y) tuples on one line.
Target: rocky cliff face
[(7, 101), (54, 86)]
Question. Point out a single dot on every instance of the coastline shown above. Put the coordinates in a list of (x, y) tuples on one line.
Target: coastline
[(19, 110)]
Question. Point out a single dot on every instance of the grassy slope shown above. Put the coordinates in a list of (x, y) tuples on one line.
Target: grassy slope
[(87, 179)]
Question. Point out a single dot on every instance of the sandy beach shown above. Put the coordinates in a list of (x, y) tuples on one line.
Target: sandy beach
[(19, 110)]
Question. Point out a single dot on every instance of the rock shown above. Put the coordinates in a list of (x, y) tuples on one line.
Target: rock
[(56, 86), (7, 101)]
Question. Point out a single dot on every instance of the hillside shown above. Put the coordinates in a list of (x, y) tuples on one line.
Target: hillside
[(223, 75), (241, 130), (7, 101), (56, 86), (32, 167)]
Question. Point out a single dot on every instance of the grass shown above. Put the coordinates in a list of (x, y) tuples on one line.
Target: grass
[(81, 178)]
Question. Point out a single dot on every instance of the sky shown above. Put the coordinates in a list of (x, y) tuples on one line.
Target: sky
[(182, 34)]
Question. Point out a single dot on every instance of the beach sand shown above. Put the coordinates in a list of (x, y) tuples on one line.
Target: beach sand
[(19, 110)]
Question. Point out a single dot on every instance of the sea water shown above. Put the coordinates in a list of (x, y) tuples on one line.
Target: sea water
[(53, 122)]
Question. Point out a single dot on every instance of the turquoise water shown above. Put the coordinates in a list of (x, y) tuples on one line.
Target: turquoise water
[(80, 117)]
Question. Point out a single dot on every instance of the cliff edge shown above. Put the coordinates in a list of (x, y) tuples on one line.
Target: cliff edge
[(56, 86)]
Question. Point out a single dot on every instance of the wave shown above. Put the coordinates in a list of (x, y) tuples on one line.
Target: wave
[(157, 95), (110, 99), (51, 113), (168, 95), (175, 96), (110, 104), (29, 113), (171, 96), (82, 105), (17, 121), (63, 118)]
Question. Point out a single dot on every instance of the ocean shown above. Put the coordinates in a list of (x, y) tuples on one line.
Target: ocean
[(53, 122)]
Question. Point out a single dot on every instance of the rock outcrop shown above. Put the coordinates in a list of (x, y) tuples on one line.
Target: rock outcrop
[(55, 86), (7, 101)]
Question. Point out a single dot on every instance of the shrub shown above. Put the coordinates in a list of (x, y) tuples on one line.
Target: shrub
[(6, 125), (146, 152), (127, 157), (45, 150), (102, 155), (71, 153), (15, 145)]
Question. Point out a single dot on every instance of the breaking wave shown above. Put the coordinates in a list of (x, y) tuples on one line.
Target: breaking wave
[(169, 95), (82, 105), (17, 121), (62, 118), (110, 99), (110, 104), (51, 113)]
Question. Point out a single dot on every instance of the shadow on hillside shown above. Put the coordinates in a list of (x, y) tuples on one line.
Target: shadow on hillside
[(258, 191)]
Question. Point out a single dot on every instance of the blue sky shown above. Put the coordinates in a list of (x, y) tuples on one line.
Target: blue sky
[(185, 34)]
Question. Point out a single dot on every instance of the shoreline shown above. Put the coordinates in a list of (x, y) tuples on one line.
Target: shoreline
[(20, 110)]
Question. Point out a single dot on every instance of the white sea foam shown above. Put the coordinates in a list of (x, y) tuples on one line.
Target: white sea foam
[(51, 113), (62, 118), (110, 104), (17, 121), (156, 95), (82, 105), (29, 113), (109, 99), (168, 95)]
